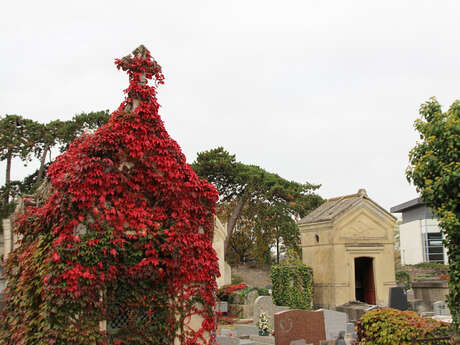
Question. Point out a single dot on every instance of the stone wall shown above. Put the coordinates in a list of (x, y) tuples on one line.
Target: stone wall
[(220, 232), (430, 290)]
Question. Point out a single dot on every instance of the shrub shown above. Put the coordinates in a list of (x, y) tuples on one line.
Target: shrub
[(225, 292), (433, 265), (292, 285), (262, 291), (403, 277), (393, 327)]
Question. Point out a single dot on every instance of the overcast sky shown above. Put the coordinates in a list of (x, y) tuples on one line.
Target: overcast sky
[(314, 90)]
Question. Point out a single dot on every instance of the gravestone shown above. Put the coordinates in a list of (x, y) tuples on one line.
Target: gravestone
[(265, 304), (334, 323), (296, 324), (441, 308), (251, 299), (398, 298), (222, 307)]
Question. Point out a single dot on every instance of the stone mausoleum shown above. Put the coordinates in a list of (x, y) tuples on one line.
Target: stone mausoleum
[(348, 242)]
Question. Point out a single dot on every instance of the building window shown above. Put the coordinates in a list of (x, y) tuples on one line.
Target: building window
[(434, 250)]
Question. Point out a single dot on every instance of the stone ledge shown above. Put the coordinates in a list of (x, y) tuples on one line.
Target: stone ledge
[(263, 339)]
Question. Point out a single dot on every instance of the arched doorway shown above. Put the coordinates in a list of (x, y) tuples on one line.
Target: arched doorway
[(364, 280)]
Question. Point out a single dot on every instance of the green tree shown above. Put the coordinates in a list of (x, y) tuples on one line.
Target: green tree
[(24, 139), (18, 138), (435, 171), (280, 222), (63, 133), (249, 185)]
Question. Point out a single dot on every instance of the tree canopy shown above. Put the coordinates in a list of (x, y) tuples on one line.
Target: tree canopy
[(27, 139), (435, 171), (264, 199)]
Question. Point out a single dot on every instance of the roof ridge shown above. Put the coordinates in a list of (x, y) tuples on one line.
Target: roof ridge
[(343, 197)]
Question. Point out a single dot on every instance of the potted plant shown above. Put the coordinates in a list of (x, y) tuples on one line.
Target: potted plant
[(263, 324)]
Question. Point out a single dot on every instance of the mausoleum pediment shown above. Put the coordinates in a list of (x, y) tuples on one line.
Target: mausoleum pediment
[(361, 225)]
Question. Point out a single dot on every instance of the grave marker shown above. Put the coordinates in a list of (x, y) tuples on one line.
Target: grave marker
[(296, 324)]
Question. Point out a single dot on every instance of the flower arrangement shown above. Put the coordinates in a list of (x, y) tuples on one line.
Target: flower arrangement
[(263, 324)]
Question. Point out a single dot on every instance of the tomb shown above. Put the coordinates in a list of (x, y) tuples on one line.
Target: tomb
[(348, 242), (118, 247)]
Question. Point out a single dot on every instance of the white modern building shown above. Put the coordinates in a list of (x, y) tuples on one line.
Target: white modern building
[(420, 235)]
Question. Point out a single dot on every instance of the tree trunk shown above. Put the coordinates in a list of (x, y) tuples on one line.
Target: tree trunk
[(42, 164), (8, 176), (236, 212), (277, 250)]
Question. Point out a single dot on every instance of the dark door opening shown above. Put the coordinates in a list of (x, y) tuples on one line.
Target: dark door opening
[(364, 280)]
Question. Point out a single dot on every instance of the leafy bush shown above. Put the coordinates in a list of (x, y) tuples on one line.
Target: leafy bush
[(403, 277), (225, 292), (262, 291), (394, 327), (292, 285), (432, 265)]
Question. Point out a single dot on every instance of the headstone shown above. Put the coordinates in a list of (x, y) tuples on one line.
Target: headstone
[(398, 298), (222, 307), (441, 308), (252, 296), (334, 323), (299, 324), (265, 304)]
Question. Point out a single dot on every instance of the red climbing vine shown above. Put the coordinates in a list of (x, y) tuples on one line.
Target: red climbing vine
[(125, 230)]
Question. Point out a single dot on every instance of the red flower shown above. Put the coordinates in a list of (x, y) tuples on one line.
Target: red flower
[(56, 257)]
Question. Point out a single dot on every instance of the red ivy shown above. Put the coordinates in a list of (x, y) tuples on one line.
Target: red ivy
[(126, 213), (225, 291)]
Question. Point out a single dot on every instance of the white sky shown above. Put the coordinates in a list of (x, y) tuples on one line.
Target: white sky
[(314, 90)]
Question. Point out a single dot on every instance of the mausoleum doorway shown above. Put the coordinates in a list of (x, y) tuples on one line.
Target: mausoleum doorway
[(364, 280)]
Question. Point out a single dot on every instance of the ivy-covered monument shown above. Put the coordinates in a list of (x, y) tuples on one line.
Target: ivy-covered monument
[(117, 246)]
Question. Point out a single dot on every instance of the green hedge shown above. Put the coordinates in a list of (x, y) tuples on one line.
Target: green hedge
[(403, 277), (388, 326), (292, 285)]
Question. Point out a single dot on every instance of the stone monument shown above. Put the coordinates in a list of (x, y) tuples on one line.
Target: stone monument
[(348, 242)]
